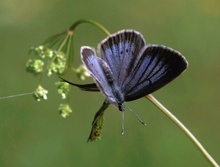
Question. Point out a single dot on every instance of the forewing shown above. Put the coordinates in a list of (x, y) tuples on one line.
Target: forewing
[(157, 66), (119, 51), (99, 70)]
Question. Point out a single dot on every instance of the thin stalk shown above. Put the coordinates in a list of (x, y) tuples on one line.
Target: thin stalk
[(17, 95), (183, 128), (96, 24), (70, 51), (53, 39), (63, 43)]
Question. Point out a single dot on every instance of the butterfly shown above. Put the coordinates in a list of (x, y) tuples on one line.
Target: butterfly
[(127, 68)]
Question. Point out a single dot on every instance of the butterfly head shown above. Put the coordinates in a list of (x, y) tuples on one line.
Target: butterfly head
[(121, 106)]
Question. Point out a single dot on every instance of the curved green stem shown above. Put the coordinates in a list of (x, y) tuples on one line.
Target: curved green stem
[(74, 25), (183, 128), (90, 22)]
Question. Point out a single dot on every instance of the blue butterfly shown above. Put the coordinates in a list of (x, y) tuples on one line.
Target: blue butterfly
[(128, 68)]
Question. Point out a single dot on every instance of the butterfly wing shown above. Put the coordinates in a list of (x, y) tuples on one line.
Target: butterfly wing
[(100, 72), (155, 67), (119, 51)]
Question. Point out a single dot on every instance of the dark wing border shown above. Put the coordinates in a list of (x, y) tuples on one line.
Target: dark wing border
[(157, 66)]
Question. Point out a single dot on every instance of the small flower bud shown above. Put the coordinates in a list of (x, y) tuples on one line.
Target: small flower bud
[(63, 89), (58, 65), (40, 93), (65, 110), (35, 66), (82, 72)]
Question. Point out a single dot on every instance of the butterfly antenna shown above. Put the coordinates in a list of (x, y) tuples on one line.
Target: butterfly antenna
[(122, 123), (136, 116)]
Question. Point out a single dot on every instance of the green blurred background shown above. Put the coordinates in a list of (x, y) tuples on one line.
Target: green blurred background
[(33, 133)]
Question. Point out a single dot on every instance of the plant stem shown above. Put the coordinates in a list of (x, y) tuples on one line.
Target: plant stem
[(183, 128), (63, 42), (72, 28), (53, 39), (17, 95), (70, 52), (90, 22)]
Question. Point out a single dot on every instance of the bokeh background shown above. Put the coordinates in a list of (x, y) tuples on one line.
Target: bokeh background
[(33, 133)]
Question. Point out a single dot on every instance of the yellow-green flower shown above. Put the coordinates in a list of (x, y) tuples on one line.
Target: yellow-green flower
[(35, 66), (63, 89), (82, 72), (40, 93), (65, 110)]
